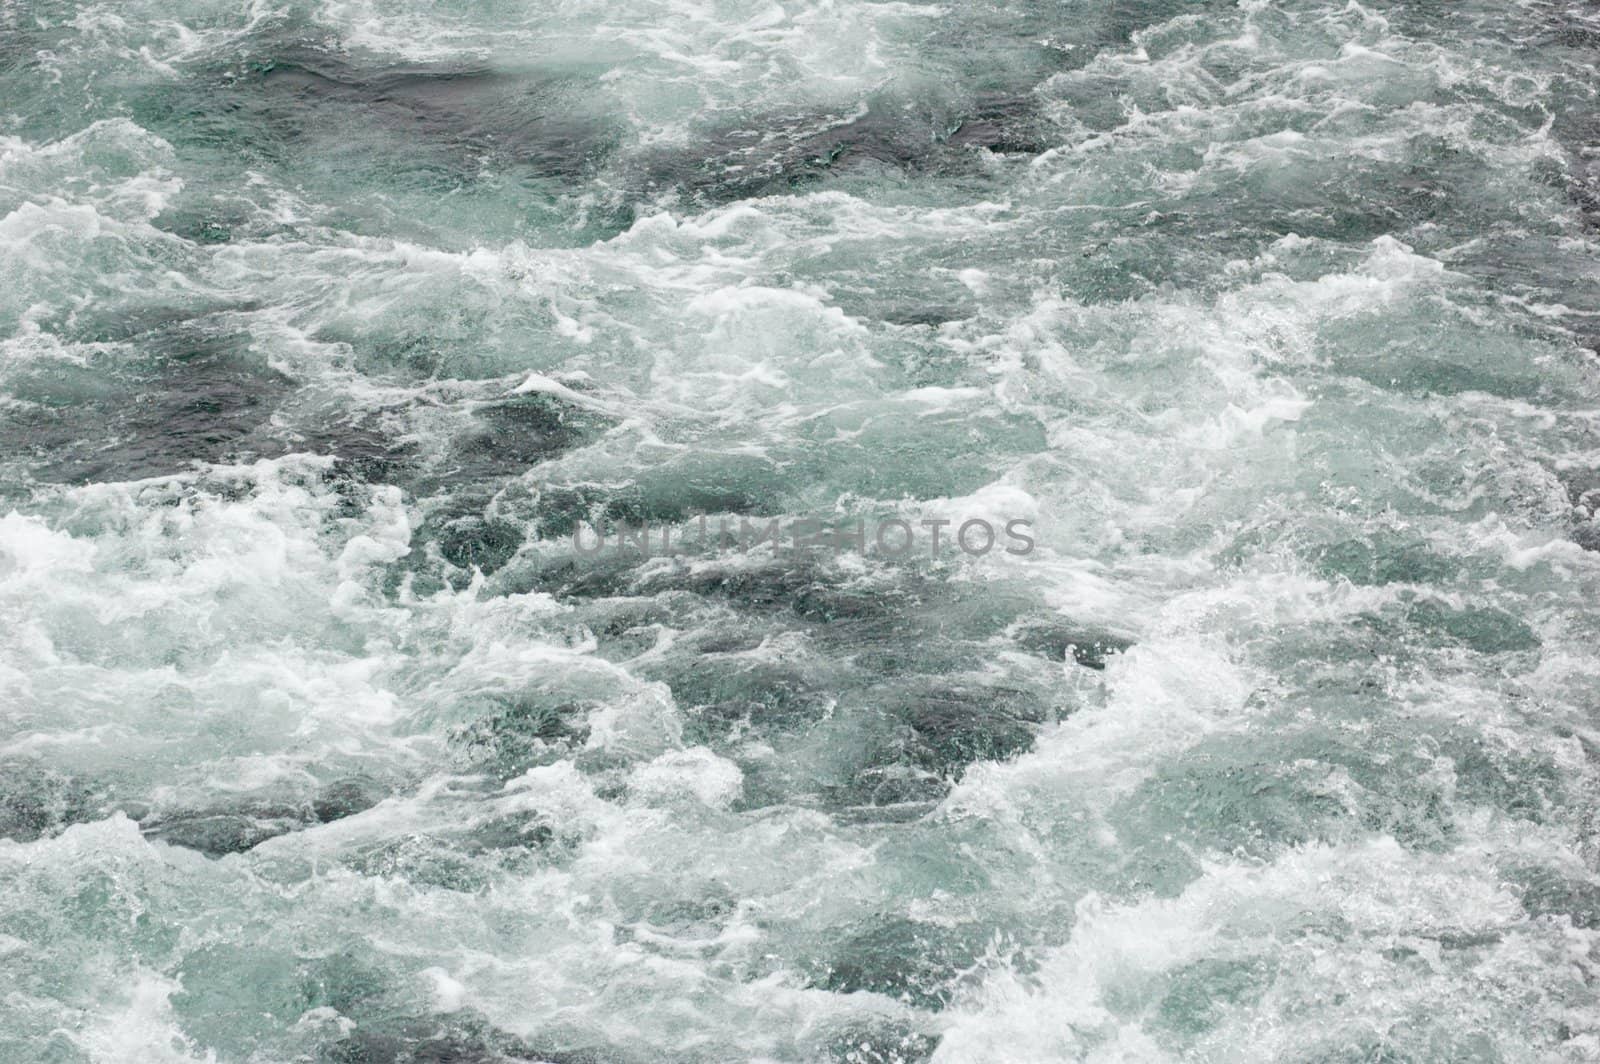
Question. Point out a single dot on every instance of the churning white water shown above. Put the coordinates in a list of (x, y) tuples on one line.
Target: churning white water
[(335, 332)]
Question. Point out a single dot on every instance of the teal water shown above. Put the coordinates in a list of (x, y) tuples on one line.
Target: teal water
[(327, 322)]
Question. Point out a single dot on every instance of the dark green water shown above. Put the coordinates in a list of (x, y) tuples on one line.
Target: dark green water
[(324, 325)]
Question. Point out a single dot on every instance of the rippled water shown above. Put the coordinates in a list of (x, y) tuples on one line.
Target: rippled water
[(327, 323)]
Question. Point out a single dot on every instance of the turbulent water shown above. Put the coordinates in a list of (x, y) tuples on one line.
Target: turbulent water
[(327, 323)]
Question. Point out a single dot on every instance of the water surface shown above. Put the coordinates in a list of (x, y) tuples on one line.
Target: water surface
[(325, 324)]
